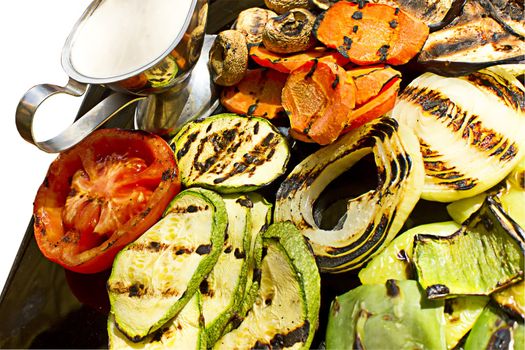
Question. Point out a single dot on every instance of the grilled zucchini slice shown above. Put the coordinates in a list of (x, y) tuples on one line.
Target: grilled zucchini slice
[(371, 220), (230, 153), (285, 313), (184, 331), (154, 277), (223, 289), (471, 130)]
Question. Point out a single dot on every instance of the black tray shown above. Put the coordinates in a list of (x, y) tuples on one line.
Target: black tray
[(44, 306)]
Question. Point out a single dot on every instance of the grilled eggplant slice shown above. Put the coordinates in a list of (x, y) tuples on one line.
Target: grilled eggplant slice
[(485, 255), (435, 13), (184, 331), (230, 153), (486, 33), (471, 130), (395, 261), (285, 313), (154, 277), (223, 289), (495, 330), (371, 220), (395, 315)]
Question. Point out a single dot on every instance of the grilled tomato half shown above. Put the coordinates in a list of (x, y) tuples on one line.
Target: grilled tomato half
[(101, 195)]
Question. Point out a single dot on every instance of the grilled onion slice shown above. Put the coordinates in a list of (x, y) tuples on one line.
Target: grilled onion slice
[(471, 130), (372, 219)]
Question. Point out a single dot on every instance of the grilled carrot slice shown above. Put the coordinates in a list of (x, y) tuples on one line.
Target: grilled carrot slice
[(317, 98), (376, 92), (369, 33), (287, 63), (257, 94)]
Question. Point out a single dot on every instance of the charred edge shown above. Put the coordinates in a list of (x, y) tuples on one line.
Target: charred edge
[(290, 186), (181, 251), (437, 291), (203, 249), (511, 96), (184, 150), (454, 11), (257, 274), (204, 288), (228, 249), (342, 51), (509, 154), (347, 42), (492, 12), (245, 202), (383, 52), (312, 69), (392, 289), (239, 254), (335, 83), (500, 339), (208, 129), (189, 209), (236, 320), (286, 340), (256, 128)]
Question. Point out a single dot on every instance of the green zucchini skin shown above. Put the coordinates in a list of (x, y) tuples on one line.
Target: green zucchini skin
[(223, 289), (229, 153), (184, 331), (154, 277), (290, 287)]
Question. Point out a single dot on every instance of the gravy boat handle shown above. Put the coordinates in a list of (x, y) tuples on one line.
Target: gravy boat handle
[(77, 131)]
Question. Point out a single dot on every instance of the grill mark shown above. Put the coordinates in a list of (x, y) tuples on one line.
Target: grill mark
[(508, 93), (139, 290), (260, 154), (155, 247), (191, 138), (286, 340), (471, 128), (188, 209)]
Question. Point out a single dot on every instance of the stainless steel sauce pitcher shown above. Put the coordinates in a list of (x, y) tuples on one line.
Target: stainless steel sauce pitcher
[(169, 72)]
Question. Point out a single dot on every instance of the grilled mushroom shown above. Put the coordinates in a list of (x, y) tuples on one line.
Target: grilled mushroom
[(229, 58), (282, 6), (251, 23), (289, 32)]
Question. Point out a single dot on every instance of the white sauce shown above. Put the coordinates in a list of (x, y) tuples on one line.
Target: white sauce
[(122, 36)]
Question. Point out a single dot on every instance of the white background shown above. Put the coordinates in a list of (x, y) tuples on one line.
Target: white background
[(32, 33)]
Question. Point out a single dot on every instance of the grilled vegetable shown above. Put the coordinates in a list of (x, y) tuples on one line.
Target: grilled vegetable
[(395, 315), (471, 130), (229, 58), (436, 14), (162, 74), (282, 6), (474, 264), (287, 63), (260, 214), (317, 98), (486, 33), (495, 330), (511, 195), (290, 288), (376, 90), (289, 32), (258, 94), (460, 315), (230, 153), (223, 289), (184, 331), (512, 299), (371, 220), (155, 276), (251, 23), (395, 261), (371, 33)]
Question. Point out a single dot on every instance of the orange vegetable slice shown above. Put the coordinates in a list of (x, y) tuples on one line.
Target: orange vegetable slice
[(371, 33), (317, 98), (287, 63), (257, 94)]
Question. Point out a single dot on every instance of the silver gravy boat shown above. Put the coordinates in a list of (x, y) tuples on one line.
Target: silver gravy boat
[(160, 82)]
